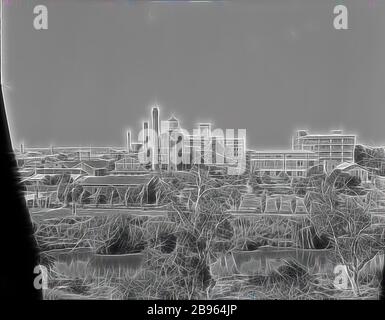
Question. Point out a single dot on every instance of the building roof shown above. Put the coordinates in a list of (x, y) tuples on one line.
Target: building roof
[(96, 163), (326, 135), (116, 180), (128, 159), (282, 151), (55, 171), (68, 163), (173, 119), (345, 166), (41, 176), (213, 137), (26, 172)]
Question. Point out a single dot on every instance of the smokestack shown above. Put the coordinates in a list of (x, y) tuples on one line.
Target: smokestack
[(155, 138), (21, 148), (146, 139), (128, 142), (145, 132), (155, 120)]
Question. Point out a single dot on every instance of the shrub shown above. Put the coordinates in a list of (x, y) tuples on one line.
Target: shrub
[(126, 237), (291, 273)]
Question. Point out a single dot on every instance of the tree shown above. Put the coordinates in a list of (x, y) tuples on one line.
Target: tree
[(299, 186), (353, 181), (76, 194), (370, 158), (255, 181), (101, 199), (84, 197), (203, 224), (64, 187), (348, 227), (315, 170), (132, 195)]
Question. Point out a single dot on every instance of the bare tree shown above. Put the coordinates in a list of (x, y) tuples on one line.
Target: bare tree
[(347, 223), (203, 224)]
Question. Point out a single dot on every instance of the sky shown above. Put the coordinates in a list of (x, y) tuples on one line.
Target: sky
[(269, 67)]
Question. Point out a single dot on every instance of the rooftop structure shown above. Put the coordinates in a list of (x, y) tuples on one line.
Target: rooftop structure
[(334, 147)]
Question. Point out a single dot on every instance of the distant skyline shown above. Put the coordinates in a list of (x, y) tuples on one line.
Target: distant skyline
[(270, 67)]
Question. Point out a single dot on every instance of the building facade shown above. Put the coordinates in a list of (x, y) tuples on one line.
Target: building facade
[(294, 163), (331, 149), (168, 146)]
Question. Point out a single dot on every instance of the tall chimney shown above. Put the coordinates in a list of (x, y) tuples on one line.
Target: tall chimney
[(155, 137), (128, 142), (155, 120), (145, 132), (146, 139)]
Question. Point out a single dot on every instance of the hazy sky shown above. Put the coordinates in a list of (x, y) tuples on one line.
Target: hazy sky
[(268, 66)]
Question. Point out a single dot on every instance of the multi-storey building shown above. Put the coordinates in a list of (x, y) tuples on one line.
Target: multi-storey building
[(294, 163), (171, 147), (218, 150), (331, 149)]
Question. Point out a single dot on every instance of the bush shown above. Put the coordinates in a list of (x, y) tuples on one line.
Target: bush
[(167, 242), (251, 245), (127, 238), (291, 273)]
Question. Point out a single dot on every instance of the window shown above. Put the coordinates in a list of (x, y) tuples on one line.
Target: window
[(324, 148), (349, 140), (324, 154), (299, 163)]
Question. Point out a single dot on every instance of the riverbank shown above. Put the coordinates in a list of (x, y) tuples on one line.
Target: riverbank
[(126, 257)]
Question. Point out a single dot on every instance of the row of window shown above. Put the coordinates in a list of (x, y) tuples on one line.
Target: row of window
[(337, 155), (281, 156), (289, 173), (279, 164), (334, 147), (327, 141)]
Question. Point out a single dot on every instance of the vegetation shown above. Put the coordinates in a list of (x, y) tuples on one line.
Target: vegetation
[(348, 227), (182, 251), (373, 158), (203, 226), (125, 236)]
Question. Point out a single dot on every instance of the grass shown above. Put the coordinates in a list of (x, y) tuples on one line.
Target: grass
[(161, 278), (125, 237), (167, 273), (252, 233)]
